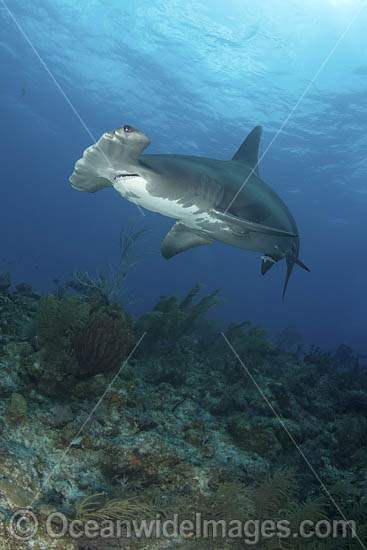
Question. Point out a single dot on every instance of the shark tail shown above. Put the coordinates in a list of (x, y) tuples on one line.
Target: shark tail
[(291, 260)]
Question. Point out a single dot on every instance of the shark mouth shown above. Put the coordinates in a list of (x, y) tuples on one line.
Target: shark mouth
[(124, 176)]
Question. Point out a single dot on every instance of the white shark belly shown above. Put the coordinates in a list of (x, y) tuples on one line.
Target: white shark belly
[(134, 189)]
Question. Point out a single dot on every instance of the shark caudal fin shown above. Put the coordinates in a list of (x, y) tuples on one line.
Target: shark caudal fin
[(267, 261), (291, 260)]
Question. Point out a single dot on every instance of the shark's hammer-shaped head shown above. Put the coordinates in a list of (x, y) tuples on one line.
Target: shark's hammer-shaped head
[(116, 152)]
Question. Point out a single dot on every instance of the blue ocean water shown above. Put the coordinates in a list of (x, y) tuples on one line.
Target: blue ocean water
[(196, 77)]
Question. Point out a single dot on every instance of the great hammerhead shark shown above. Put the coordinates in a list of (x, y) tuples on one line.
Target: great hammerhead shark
[(212, 200)]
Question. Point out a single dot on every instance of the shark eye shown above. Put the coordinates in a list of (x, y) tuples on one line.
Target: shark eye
[(127, 128)]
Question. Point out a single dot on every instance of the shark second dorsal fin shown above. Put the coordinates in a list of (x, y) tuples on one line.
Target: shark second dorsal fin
[(181, 238), (249, 150)]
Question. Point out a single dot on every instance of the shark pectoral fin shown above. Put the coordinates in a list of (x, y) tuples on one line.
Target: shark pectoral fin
[(181, 238), (241, 226)]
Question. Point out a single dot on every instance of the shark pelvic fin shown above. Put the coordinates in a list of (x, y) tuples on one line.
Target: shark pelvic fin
[(181, 238), (249, 150), (267, 262), (240, 226)]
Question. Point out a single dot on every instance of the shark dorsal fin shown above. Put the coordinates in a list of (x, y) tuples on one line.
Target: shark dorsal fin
[(249, 150)]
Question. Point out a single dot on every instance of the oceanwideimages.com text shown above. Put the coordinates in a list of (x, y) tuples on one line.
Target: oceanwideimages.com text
[(24, 524)]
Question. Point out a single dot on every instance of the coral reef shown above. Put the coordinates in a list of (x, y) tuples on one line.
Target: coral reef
[(76, 336), (4, 283), (103, 341), (56, 321), (185, 428), (173, 319)]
